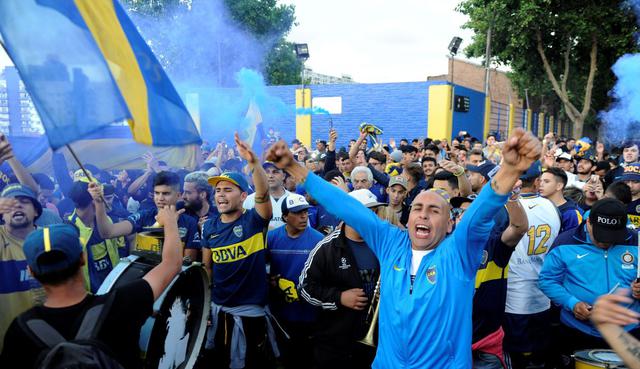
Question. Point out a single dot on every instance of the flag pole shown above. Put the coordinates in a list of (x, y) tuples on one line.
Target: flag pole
[(86, 173)]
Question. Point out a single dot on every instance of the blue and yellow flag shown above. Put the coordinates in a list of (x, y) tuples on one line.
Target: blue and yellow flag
[(86, 66)]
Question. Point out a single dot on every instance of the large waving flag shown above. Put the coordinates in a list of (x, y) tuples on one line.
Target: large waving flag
[(255, 131), (86, 66)]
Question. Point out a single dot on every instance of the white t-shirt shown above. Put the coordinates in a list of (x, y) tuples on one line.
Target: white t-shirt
[(416, 258), (523, 294), (276, 206)]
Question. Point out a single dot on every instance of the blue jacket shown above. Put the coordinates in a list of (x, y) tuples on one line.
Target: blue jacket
[(576, 270), (431, 326)]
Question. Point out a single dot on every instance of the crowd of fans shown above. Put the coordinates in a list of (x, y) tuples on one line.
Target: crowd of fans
[(298, 282)]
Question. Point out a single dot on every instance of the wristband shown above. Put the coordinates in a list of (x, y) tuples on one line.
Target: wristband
[(458, 174)]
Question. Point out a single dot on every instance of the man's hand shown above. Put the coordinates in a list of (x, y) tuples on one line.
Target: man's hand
[(7, 204), (95, 190), (608, 310), (582, 311), (520, 150), (168, 215), (245, 151), (280, 155), (152, 162), (451, 167), (635, 289), (339, 182), (6, 151), (354, 299)]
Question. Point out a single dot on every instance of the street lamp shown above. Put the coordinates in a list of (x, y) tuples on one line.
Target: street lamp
[(302, 53)]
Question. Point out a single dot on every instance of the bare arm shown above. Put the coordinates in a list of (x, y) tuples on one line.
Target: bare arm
[(609, 317), (518, 223), (353, 152), (106, 228), (206, 260), (23, 176), (263, 200), (135, 185), (464, 186), (162, 274)]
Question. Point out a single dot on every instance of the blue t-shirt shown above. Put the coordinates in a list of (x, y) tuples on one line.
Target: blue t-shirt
[(367, 265), (238, 252), (187, 226), (288, 256)]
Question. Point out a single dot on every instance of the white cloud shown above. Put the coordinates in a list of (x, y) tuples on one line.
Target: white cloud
[(378, 40)]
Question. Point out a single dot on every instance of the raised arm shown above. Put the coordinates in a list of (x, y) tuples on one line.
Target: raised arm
[(106, 228), (518, 223), (330, 159), (609, 317), (464, 186), (162, 274), (23, 176), (263, 201), (353, 151)]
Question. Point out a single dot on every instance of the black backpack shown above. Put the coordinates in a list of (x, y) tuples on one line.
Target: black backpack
[(83, 352)]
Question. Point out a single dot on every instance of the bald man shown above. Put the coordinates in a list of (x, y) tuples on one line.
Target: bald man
[(427, 271)]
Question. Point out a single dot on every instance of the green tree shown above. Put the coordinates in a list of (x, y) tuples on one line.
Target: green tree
[(270, 22), (559, 49)]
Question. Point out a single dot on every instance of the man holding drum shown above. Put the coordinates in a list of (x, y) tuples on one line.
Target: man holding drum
[(55, 258)]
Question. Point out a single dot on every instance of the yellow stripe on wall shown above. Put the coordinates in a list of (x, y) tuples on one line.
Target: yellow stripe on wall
[(439, 112), (487, 117), (303, 122), (101, 18), (512, 115), (529, 120)]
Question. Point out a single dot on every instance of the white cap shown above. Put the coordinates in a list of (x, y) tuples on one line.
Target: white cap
[(213, 171), (366, 198), (565, 156), (295, 203)]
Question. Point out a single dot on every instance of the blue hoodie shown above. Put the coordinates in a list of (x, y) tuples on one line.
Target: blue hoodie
[(577, 270), (429, 327)]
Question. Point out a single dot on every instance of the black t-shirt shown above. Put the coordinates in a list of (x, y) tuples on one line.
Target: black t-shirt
[(131, 307)]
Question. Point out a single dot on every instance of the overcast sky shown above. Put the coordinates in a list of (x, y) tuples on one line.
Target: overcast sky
[(378, 40), (374, 40)]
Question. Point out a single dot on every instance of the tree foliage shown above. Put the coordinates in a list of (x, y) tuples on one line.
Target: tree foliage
[(560, 50)]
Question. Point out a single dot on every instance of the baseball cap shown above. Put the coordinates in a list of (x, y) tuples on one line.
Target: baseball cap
[(18, 190), (564, 156), (80, 176), (366, 198), (51, 249), (268, 164), (608, 220), (294, 203), (233, 177), (296, 141), (399, 180), (534, 171), (631, 172), (486, 168)]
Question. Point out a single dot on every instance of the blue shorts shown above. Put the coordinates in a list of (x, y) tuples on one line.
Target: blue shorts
[(526, 333)]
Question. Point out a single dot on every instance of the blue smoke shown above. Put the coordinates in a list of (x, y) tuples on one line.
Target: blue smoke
[(311, 111), (205, 52), (622, 121)]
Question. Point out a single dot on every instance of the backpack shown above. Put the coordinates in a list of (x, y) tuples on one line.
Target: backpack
[(83, 352)]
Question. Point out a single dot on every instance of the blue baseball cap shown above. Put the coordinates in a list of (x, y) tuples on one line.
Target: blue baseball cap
[(534, 171), (486, 168), (17, 190), (233, 177), (51, 249), (631, 173)]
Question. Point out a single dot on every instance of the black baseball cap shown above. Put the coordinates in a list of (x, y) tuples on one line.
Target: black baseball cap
[(608, 220)]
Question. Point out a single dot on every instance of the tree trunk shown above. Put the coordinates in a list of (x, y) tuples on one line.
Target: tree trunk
[(576, 116)]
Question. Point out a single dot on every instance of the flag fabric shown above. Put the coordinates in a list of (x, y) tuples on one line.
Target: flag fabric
[(86, 66), (255, 131)]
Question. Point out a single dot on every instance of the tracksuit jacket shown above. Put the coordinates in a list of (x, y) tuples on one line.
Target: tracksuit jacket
[(577, 270), (429, 325), (330, 269)]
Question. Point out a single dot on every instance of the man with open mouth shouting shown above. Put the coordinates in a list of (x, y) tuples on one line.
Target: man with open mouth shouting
[(427, 271)]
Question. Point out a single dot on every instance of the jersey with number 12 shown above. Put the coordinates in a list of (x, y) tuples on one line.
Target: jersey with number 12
[(523, 294)]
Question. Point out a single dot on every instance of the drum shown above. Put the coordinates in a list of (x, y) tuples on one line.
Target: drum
[(594, 359), (173, 335)]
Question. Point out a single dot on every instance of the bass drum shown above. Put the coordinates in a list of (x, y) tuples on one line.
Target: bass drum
[(173, 335), (595, 359)]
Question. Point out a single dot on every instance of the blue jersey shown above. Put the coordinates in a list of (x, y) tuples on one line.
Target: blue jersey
[(429, 327), (238, 252), (577, 270), (288, 256), (187, 226)]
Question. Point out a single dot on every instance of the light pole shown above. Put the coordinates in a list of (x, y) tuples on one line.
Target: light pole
[(454, 45)]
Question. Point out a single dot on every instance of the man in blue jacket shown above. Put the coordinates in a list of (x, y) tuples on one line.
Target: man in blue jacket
[(427, 271), (592, 260)]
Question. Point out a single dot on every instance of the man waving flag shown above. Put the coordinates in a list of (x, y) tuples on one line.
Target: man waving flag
[(86, 66)]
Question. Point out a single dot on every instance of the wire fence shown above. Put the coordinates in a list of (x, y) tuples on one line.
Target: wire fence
[(537, 123)]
